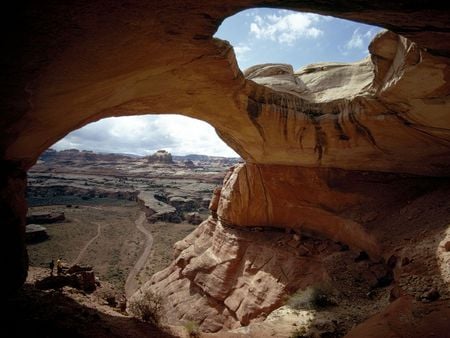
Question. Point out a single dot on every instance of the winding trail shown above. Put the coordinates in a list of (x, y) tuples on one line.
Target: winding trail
[(131, 284), (83, 250)]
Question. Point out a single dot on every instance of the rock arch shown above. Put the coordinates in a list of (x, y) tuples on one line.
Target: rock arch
[(71, 64)]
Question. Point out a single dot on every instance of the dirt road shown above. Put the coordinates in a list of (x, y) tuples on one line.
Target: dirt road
[(131, 284), (83, 250)]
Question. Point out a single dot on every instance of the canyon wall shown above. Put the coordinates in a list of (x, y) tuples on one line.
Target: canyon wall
[(278, 229)]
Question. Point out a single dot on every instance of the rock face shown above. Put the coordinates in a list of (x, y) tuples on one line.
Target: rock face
[(161, 156), (300, 132), (224, 277), (295, 198), (156, 210), (275, 230), (326, 115)]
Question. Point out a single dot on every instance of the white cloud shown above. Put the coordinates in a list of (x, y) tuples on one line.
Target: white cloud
[(241, 50), (370, 34), (356, 41), (360, 40), (285, 27), (143, 135)]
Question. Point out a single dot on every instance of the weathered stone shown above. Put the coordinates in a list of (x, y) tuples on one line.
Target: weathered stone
[(194, 218), (261, 195), (217, 277), (74, 63), (182, 204), (156, 210), (46, 217), (161, 156), (35, 233)]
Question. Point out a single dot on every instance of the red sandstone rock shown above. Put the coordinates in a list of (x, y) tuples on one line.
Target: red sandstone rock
[(76, 63), (221, 274)]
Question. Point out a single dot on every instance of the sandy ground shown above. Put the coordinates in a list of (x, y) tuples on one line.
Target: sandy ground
[(114, 239), (131, 284)]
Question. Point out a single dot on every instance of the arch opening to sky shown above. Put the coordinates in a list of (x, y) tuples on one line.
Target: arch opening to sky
[(265, 35), (258, 36)]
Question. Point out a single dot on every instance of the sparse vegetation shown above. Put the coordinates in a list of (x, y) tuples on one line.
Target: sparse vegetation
[(192, 329), (148, 308), (313, 298)]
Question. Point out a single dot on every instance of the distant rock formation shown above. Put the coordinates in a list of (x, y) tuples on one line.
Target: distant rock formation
[(156, 210), (35, 233), (161, 156), (189, 164), (183, 204), (45, 217), (51, 155), (194, 218)]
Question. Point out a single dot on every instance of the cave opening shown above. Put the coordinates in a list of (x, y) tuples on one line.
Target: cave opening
[(321, 143), (117, 194)]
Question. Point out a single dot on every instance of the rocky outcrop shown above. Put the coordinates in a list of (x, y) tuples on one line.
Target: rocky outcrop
[(193, 218), (407, 318), (35, 233), (293, 198), (326, 115), (224, 277), (156, 210), (161, 156), (45, 217), (79, 277), (273, 231), (183, 204)]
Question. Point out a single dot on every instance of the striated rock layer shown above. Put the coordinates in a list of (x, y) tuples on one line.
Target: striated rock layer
[(224, 277), (279, 229)]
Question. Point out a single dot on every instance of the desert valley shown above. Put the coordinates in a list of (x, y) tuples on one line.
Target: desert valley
[(105, 195)]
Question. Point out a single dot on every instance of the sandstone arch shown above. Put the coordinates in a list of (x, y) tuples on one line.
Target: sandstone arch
[(69, 65)]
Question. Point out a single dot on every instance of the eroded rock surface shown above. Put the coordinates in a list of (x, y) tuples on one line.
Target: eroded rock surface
[(71, 64), (224, 277), (370, 115), (161, 156), (279, 229), (156, 210)]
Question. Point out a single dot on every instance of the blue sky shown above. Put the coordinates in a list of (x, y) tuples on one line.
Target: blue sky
[(258, 36), (281, 36)]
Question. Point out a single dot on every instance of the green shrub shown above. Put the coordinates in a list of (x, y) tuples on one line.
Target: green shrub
[(148, 308)]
